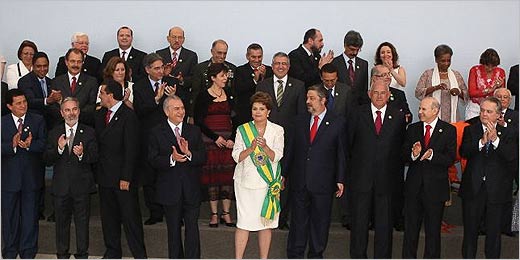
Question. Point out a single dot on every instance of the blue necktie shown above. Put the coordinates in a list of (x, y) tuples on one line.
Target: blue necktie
[(43, 85), (330, 102), (487, 146)]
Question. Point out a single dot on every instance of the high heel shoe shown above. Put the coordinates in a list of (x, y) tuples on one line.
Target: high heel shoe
[(223, 221), (213, 225)]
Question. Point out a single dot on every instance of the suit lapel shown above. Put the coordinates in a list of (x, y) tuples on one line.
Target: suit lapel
[(287, 92), (117, 116), (170, 136), (369, 120), (437, 132)]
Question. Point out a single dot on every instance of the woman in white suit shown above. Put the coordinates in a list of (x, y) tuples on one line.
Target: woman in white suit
[(15, 71), (258, 149)]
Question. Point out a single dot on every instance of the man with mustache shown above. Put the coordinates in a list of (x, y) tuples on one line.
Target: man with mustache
[(77, 84)]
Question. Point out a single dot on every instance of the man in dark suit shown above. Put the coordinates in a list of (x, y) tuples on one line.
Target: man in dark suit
[(72, 149), (317, 169), (4, 109), (42, 100), (512, 84), (339, 95), (79, 85), (132, 56), (289, 94), (376, 132), (177, 152), (200, 82), (179, 61), (397, 100), (91, 65), (306, 60), (487, 180), (353, 70), (149, 95), (23, 143), (247, 77), (117, 132), (430, 149)]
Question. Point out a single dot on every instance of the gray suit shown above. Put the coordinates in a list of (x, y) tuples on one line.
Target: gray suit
[(85, 92)]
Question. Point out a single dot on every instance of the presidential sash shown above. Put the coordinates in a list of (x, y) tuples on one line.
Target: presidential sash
[(271, 204)]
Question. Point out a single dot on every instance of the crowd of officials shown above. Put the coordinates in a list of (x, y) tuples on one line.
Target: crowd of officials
[(281, 142)]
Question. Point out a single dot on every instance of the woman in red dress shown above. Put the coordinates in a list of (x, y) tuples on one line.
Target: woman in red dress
[(213, 110)]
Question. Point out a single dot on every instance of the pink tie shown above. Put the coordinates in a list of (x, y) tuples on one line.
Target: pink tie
[(177, 134), (174, 59)]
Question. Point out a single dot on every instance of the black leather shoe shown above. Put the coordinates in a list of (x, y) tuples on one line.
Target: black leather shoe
[(51, 218), (152, 221)]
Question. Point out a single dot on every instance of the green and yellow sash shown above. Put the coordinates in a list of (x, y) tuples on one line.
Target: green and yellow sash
[(271, 204)]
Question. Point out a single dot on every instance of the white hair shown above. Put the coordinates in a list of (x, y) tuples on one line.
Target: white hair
[(76, 35)]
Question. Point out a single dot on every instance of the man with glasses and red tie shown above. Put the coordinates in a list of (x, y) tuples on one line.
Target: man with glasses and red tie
[(132, 56), (375, 137), (430, 149), (23, 143), (117, 132), (75, 83)]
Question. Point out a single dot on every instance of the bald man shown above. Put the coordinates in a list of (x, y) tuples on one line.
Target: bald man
[(430, 149)]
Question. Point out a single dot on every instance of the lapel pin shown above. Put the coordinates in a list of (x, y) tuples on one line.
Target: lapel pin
[(81, 131), (85, 70), (115, 118), (130, 57), (499, 133), (26, 129), (80, 83), (389, 117), (230, 97), (289, 84), (327, 122), (357, 67), (180, 60), (440, 130), (509, 120), (253, 75), (391, 97), (336, 94)]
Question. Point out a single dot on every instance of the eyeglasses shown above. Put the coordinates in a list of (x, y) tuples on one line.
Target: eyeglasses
[(82, 43)]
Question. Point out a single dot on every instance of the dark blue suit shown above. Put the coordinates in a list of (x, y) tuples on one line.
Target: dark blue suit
[(21, 181), (315, 169)]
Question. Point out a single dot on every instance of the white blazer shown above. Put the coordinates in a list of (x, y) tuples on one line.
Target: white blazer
[(13, 75), (246, 173)]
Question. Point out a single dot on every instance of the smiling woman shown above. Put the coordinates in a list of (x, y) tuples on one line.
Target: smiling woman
[(15, 71)]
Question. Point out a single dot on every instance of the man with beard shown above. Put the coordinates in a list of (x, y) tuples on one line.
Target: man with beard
[(72, 149), (306, 60)]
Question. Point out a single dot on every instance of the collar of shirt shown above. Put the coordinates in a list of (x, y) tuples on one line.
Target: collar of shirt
[(321, 116), (275, 81), (347, 59), (114, 109), (432, 124), (67, 129), (15, 118), (374, 109), (70, 77), (127, 52), (152, 82), (504, 111), (178, 51), (309, 53), (172, 126), (333, 89)]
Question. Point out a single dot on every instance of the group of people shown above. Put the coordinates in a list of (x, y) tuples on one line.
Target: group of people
[(282, 141)]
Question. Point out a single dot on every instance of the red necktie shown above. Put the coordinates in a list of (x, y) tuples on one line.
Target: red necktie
[(378, 122), (351, 72), (314, 128), (107, 117), (427, 136), (174, 59), (73, 85)]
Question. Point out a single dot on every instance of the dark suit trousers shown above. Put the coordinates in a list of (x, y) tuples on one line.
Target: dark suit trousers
[(417, 209), (189, 212), (66, 207), (473, 210), (383, 224), (156, 210), (121, 207), (20, 224), (310, 222)]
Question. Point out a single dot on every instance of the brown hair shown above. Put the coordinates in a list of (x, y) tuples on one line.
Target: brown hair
[(262, 98), (111, 67), (26, 43)]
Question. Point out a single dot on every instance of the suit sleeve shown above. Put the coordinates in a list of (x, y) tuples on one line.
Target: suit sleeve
[(34, 102), (90, 149), (60, 67), (198, 149), (131, 137), (297, 71), (51, 152), (407, 145), (512, 81), (38, 140), (469, 145), (302, 107), (155, 158), (340, 154)]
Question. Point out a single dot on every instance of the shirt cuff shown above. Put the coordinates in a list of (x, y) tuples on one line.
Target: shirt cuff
[(414, 157), (45, 101), (431, 156), (496, 142), (80, 157), (480, 145), (172, 162), (60, 151)]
